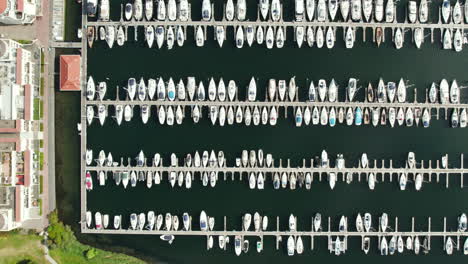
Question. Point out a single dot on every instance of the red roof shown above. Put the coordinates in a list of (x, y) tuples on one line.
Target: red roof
[(70, 73), (27, 102), (3, 6), (20, 5), (27, 171), (18, 204), (19, 64), (16, 129)]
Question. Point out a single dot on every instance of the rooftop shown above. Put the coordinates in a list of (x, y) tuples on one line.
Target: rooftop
[(70, 73)]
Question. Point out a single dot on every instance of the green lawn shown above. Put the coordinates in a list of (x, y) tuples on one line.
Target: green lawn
[(15, 247), (41, 160), (36, 110), (74, 253)]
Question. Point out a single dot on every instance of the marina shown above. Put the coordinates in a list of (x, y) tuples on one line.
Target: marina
[(412, 240), (269, 27), (384, 170), (383, 105)]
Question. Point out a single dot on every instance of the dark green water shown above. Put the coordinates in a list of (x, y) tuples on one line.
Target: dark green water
[(365, 62)]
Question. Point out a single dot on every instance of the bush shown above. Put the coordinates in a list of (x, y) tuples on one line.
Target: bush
[(26, 261), (90, 253), (41, 184), (59, 234)]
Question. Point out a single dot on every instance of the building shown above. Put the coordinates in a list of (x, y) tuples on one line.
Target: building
[(70, 73), (19, 135), (18, 11)]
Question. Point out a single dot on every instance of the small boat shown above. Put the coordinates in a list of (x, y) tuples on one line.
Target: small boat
[(291, 246), (206, 10), (238, 244), (317, 222), (117, 221), (128, 11), (88, 181), (168, 222)]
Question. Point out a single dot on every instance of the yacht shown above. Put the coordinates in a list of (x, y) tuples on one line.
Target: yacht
[(462, 222), (447, 41), (310, 36), (260, 35), (344, 9), (412, 11), (418, 182), (128, 11), (445, 11), (161, 11), (120, 36), (89, 114), (310, 9), (180, 36), (423, 11), (398, 38), (88, 181), (90, 89), (133, 221), (330, 38), (246, 221), (418, 37), (458, 40), (240, 37), (383, 247), (91, 8), (142, 90), (281, 90), (449, 246), (356, 10), (343, 226), (299, 245), (206, 10), (351, 89), (383, 222), (349, 38), (200, 36), (359, 223), (279, 37), (160, 34), (183, 10), (171, 10), (269, 38), (203, 221), (149, 9), (141, 221), (131, 88), (138, 10), (426, 118), (444, 92), (275, 10), (371, 181), (454, 92), (220, 35), (332, 9), (151, 220), (389, 11), (456, 13), (319, 37), (367, 222), (170, 37), (379, 10), (102, 114), (103, 10), (332, 180), (317, 222), (463, 118), (367, 9), (299, 35), (117, 221), (264, 8)]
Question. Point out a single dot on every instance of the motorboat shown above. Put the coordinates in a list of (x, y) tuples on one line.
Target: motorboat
[(220, 35), (141, 221), (168, 238), (131, 88), (117, 221), (332, 8), (269, 38), (264, 8), (458, 40), (454, 92), (160, 35), (384, 222), (332, 180), (260, 36), (200, 36), (319, 37), (133, 221), (240, 37), (343, 226), (275, 10), (90, 89), (351, 88), (183, 10), (299, 9), (449, 246), (392, 245), (91, 8), (310, 35), (462, 222), (418, 182), (383, 246), (88, 181), (246, 221), (447, 40), (257, 221), (180, 36), (238, 245), (444, 91), (142, 90), (104, 10), (241, 10), (426, 118), (358, 116), (299, 245), (398, 38), (151, 220), (418, 37), (409, 117), (321, 11), (102, 114), (402, 181), (300, 36), (229, 13), (310, 9), (359, 223)]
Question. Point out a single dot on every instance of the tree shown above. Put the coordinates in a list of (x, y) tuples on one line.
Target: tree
[(90, 253), (59, 234)]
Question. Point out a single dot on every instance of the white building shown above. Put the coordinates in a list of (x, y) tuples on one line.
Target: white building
[(18, 11)]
